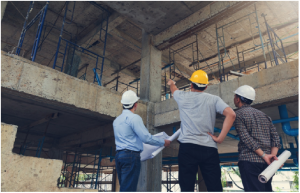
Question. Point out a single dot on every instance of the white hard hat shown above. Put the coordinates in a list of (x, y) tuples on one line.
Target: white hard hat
[(246, 91), (129, 98)]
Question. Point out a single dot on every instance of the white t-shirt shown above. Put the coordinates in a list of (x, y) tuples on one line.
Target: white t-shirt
[(198, 115)]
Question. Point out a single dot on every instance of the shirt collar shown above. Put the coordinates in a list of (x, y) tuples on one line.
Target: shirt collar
[(127, 111)]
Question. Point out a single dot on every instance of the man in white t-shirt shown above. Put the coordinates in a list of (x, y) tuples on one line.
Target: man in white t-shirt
[(197, 148)]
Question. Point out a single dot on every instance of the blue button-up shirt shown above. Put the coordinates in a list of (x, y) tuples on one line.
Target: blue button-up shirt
[(130, 132)]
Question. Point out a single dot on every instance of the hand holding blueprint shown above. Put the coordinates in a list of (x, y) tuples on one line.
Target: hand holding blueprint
[(265, 176), (151, 151)]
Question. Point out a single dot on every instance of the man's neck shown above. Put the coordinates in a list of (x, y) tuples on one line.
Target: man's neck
[(241, 105), (194, 90), (132, 110)]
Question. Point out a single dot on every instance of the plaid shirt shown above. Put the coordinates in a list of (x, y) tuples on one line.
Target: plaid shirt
[(255, 130)]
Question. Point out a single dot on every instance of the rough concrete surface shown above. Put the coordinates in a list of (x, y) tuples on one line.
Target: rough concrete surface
[(199, 16), (27, 174), (24, 76), (275, 84)]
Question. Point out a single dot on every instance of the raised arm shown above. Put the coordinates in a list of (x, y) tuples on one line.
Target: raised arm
[(172, 85)]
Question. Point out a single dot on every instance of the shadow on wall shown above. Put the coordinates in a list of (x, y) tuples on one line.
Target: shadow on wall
[(28, 174)]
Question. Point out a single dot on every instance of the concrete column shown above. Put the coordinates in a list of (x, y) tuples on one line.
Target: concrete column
[(150, 70), (3, 6), (150, 175)]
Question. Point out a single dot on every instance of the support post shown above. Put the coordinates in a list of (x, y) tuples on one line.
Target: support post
[(150, 91)]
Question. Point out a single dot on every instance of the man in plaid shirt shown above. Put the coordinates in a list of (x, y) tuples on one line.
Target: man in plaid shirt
[(259, 141)]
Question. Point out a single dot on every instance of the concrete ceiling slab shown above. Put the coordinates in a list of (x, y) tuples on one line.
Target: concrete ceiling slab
[(153, 16)]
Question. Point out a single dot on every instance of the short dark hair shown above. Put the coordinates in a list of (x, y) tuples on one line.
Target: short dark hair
[(198, 88), (128, 108), (245, 100)]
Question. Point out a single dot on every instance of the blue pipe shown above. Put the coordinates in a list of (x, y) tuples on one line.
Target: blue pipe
[(285, 120), (174, 130), (286, 127)]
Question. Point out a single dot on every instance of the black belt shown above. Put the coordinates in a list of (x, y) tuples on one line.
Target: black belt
[(127, 150)]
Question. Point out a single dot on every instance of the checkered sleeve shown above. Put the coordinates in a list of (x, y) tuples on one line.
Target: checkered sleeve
[(244, 134), (275, 140)]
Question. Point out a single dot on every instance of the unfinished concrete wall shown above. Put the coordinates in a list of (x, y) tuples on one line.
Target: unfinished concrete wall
[(274, 86), (27, 174), (27, 79)]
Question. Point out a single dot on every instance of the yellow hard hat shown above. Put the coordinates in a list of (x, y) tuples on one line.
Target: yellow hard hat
[(200, 77)]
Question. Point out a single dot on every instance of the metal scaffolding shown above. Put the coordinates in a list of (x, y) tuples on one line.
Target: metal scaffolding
[(39, 17), (72, 48), (79, 174), (221, 41), (275, 41), (171, 179)]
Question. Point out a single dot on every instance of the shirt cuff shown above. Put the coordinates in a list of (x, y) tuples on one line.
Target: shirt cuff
[(274, 144), (255, 147)]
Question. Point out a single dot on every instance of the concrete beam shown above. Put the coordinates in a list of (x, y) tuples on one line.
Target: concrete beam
[(250, 39), (266, 84), (92, 32), (25, 79), (198, 21)]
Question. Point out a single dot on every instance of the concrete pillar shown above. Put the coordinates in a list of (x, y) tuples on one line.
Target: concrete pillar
[(201, 183), (150, 175), (3, 6), (150, 71)]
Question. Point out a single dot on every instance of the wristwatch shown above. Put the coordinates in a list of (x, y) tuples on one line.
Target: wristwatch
[(263, 155)]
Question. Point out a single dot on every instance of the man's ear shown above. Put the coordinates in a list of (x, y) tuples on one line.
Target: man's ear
[(192, 86)]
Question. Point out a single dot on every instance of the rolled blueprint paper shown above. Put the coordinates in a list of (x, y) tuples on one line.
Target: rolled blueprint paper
[(265, 176), (172, 138), (148, 149)]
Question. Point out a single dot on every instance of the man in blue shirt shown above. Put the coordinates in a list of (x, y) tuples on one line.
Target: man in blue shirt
[(130, 134)]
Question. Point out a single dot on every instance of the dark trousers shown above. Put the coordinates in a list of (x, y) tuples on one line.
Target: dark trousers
[(128, 165), (249, 173), (191, 156)]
